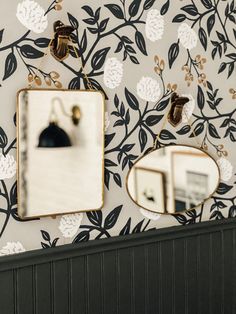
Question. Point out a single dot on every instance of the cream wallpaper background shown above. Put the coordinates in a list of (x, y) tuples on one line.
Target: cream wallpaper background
[(138, 52)]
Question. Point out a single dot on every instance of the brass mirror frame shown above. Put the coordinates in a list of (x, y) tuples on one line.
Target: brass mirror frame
[(18, 151), (180, 212)]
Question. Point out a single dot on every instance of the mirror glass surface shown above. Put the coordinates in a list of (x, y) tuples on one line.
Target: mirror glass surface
[(60, 151), (173, 179)]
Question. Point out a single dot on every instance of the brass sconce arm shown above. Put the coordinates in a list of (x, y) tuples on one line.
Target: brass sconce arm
[(75, 114)]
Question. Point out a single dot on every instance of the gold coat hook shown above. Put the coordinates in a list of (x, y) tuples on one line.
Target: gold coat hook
[(176, 110), (60, 44)]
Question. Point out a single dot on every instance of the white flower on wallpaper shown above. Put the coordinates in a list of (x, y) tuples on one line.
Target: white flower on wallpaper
[(32, 16), (226, 169), (69, 224), (187, 36), (113, 73), (154, 27), (148, 214), (12, 248), (7, 167), (107, 121), (188, 108), (148, 89)]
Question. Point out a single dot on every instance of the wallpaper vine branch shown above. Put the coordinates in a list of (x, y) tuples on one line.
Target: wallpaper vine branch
[(220, 45), (138, 53)]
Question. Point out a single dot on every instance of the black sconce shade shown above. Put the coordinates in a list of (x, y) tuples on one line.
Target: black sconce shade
[(53, 136)]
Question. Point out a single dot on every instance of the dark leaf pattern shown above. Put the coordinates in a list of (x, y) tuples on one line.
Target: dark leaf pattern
[(173, 54), (200, 98), (3, 138), (13, 195), (115, 10), (138, 227), (142, 139), (148, 4), (112, 217), (74, 83), (167, 135), (73, 21), (117, 179), (48, 242), (109, 138), (165, 7), (191, 9), (126, 229), (207, 3), (140, 41), (10, 65), (30, 52), (179, 18), (82, 237), (162, 105), (184, 130), (45, 235), (99, 58), (199, 128), (134, 7), (210, 23), (95, 217), (42, 42), (131, 100), (1, 35), (203, 37), (213, 131), (153, 119), (224, 188)]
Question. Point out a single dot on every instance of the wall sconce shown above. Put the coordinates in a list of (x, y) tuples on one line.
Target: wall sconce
[(54, 136)]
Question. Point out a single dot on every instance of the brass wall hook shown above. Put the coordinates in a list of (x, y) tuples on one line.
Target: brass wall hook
[(176, 110), (60, 44)]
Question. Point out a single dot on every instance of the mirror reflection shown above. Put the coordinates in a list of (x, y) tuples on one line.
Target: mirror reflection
[(60, 150), (173, 179)]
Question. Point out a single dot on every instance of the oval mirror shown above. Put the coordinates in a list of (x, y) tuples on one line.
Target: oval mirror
[(173, 179)]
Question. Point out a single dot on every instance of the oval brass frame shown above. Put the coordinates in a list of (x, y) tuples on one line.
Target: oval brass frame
[(180, 212)]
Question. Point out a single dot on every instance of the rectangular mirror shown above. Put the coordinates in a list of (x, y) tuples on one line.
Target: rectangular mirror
[(60, 151)]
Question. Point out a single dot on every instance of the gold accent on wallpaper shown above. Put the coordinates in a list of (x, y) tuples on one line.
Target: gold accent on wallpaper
[(232, 91), (195, 65), (159, 69), (37, 76)]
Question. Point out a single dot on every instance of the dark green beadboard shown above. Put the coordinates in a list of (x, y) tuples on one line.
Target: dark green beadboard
[(179, 270)]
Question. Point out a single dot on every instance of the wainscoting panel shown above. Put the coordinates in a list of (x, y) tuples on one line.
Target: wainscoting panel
[(181, 270)]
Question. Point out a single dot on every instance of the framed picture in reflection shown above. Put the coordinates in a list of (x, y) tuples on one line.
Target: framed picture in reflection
[(150, 190), (190, 179)]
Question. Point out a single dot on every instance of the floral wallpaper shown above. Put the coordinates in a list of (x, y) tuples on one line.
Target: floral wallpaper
[(138, 52)]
